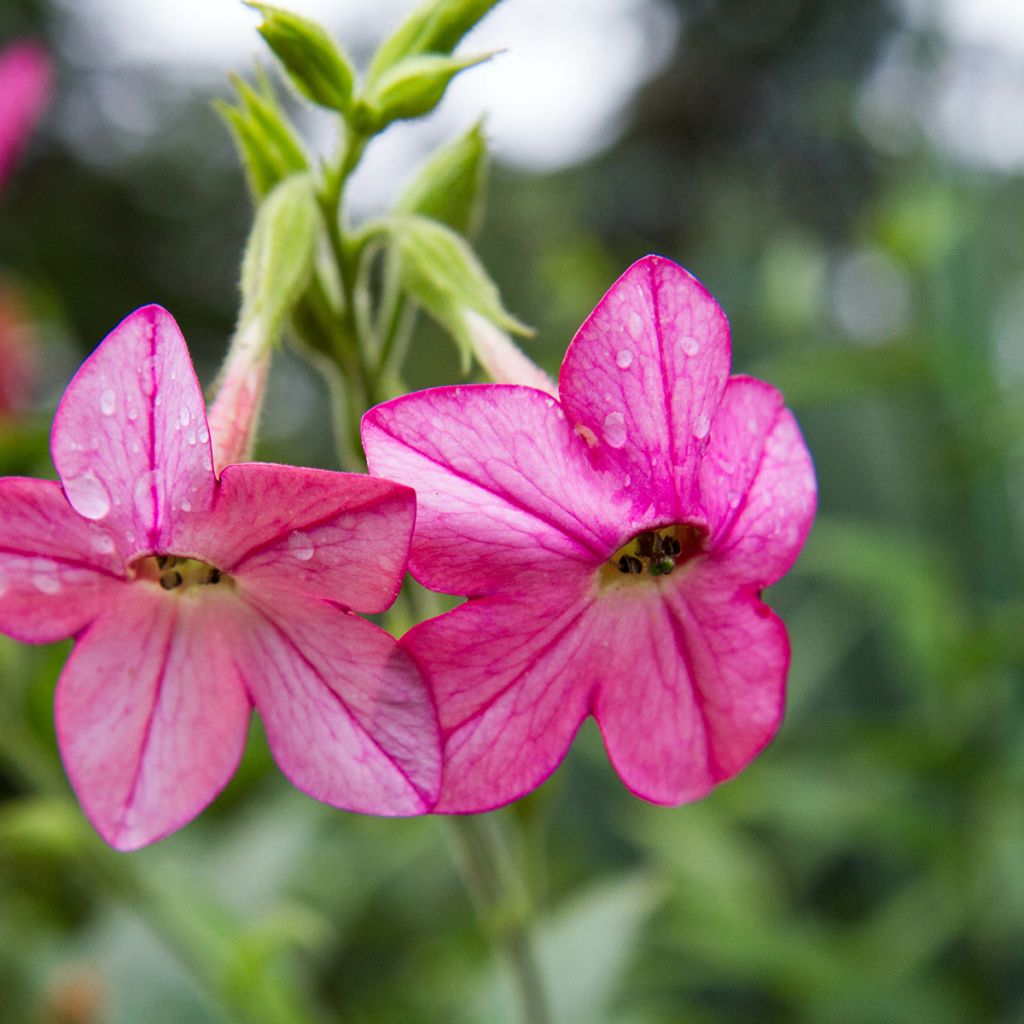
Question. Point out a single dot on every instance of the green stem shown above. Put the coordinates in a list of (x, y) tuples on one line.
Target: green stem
[(502, 904)]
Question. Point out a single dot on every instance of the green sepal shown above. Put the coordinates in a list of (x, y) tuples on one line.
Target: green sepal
[(415, 86), (449, 188), (269, 147), (439, 270), (436, 26), (279, 254), (313, 61)]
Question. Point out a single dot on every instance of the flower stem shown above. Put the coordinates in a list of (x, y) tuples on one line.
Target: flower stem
[(502, 903)]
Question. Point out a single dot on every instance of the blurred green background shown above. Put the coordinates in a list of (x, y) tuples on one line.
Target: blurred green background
[(847, 177)]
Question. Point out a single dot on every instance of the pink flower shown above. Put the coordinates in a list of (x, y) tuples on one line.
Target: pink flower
[(25, 81), (192, 598), (613, 546)]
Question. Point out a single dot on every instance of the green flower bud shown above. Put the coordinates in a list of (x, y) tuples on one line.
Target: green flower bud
[(314, 62), (415, 86), (279, 254), (436, 26), (439, 270), (267, 144), (449, 188)]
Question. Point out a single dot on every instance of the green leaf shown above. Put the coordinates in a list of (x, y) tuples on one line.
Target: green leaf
[(436, 26), (314, 62), (279, 254), (440, 271), (415, 86), (449, 188), (267, 143)]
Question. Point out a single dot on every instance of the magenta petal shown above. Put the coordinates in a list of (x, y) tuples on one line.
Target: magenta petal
[(512, 687), (773, 519), (347, 714), (151, 714), (644, 376), (748, 413), (57, 570), (692, 688), (130, 439), (339, 536), (505, 491)]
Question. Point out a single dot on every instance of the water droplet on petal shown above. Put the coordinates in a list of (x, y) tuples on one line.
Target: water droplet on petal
[(185, 505), (623, 359), (133, 413), (44, 576), (689, 345), (727, 467), (701, 426), (102, 542), (627, 481), (615, 429), (108, 402), (147, 375), (300, 546), (204, 435), (192, 438), (185, 417), (635, 325), (144, 497), (733, 498), (88, 495)]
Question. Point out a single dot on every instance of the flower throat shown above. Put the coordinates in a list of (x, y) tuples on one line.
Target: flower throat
[(659, 552)]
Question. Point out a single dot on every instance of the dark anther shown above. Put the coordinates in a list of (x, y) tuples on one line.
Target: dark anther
[(170, 580), (161, 561), (671, 547), (630, 564), (645, 544), (214, 576)]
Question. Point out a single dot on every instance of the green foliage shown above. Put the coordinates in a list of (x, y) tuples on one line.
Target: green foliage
[(314, 62)]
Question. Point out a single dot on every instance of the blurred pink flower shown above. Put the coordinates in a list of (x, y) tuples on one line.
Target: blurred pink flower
[(25, 83), (192, 597), (613, 544)]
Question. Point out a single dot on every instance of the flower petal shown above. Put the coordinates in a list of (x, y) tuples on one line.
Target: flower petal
[(130, 439), (339, 536), (748, 413), (57, 570), (505, 491), (644, 376), (691, 687), (347, 714), (151, 714), (511, 690), (773, 519)]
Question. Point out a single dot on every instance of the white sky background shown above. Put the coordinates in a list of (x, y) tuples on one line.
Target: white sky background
[(552, 98), (971, 105)]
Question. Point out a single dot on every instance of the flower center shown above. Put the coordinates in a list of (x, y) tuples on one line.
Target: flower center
[(658, 552), (173, 572)]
